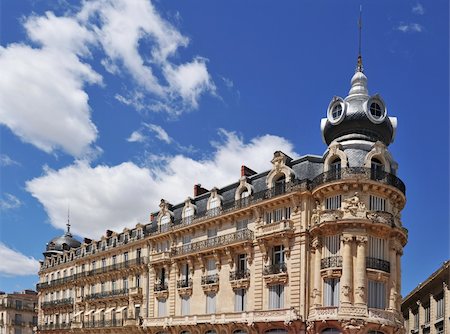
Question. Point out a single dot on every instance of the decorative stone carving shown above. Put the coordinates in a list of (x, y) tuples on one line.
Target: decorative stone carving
[(346, 290), (316, 243), (361, 239), (347, 238), (335, 150), (354, 206), (353, 326), (279, 167), (379, 152), (360, 291), (243, 186), (380, 217), (330, 215)]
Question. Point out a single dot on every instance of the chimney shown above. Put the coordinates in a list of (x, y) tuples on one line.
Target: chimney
[(87, 240), (198, 190), (245, 171), (109, 233)]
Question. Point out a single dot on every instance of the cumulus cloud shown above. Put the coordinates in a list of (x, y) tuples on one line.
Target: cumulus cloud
[(418, 9), (42, 87), (14, 263), (9, 202), (42, 99), (136, 137), (410, 27), (113, 197), (6, 161)]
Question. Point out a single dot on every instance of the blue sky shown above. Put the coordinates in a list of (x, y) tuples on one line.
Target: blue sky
[(108, 106)]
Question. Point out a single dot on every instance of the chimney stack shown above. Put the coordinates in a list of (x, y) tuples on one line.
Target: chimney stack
[(245, 171), (198, 190)]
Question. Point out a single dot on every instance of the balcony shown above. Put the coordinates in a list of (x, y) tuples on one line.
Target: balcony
[(57, 303), (215, 242), (282, 229), (47, 327), (18, 307), (104, 323), (161, 290), (331, 262), (108, 294), (210, 283), (184, 287), (359, 173), (275, 273), (160, 257), (323, 313), (240, 279), (378, 264)]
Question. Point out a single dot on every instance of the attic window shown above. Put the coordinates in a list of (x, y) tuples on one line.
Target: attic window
[(375, 110)]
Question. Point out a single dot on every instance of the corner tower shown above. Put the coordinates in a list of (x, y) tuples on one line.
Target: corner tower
[(357, 237)]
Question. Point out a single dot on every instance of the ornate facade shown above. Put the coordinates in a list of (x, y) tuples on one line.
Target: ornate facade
[(311, 246), (18, 312)]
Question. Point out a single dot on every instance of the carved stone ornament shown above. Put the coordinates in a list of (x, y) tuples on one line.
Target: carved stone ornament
[(346, 290), (354, 206), (360, 291), (353, 326), (361, 239), (315, 293), (346, 238), (380, 217), (316, 244)]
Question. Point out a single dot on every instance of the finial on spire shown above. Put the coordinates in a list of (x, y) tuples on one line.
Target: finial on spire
[(359, 66), (68, 219)]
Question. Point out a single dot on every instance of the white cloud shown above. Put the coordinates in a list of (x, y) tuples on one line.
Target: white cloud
[(5, 161), (161, 134), (41, 89), (136, 137), (9, 202), (14, 263), (418, 9), (228, 82), (410, 27), (122, 27), (113, 197)]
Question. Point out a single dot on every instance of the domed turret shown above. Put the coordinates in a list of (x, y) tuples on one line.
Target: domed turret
[(359, 115), (60, 244)]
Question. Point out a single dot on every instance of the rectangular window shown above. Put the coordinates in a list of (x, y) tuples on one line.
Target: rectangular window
[(212, 232), (113, 285), (186, 239), (333, 203), (185, 305), (377, 295), (278, 255), (211, 267), (93, 265), (332, 245), (138, 253), (278, 215), (125, 257), (161, 307), (416, 319), (377, 203), (103, 287), (427, 314), (210, 303), (440, 329), (125, 283), (103, 263), (114, 260), (241, 224), (378, 248), (138, 281), (268, 217), (240, 300), (440, 307), (287, 213), (276, 296), (92, 288), (185, 272), (242, 262), (331, 292)]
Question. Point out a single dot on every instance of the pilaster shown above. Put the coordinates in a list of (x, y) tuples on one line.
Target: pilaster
[(360, 279), (317, 291), (347, 270)]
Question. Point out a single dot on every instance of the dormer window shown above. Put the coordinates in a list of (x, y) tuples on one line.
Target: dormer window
[(336, 110), (279, 184), (335, 168), (376, 169), (164, 223), (188, 214), (376, 109)]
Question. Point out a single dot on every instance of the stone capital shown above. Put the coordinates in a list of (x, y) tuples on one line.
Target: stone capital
[(347, 238), (361, 239), (316, 243)]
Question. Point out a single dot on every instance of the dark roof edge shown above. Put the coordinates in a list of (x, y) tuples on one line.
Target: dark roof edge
[(445, 266)]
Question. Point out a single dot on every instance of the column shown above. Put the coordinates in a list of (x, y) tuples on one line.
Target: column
[(347, 269), (317, 291), (393, 277), (399, 276), (432, 314), (360, 279)]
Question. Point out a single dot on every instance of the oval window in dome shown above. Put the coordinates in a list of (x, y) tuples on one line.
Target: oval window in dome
[(337, 111), (375, 110)]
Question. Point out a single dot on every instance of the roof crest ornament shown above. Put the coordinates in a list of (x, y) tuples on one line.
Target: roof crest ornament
[(359, 65), (68, 220)]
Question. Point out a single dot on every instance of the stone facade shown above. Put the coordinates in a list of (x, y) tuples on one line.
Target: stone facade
[(18, 312), (426, 308), (311, 246)]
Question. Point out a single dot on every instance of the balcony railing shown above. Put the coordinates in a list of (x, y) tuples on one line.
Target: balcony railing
[(18, 307), (360, 173), (56, 303), (378, 264), (274, 269), (104, 323), (107, 294), (331, 262), (64, 325), (184, 283), (161, 286), (210, 279), (222, 240), (239, 274)]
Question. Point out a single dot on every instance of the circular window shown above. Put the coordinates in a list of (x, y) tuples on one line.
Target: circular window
[(336, 110), (375, 110)]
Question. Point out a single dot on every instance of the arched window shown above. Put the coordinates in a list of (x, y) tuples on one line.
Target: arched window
[(276, 331), (280, 184), (214, 206), (188, 214), (376, 169), (165, 220), (244, 197), (335, 169), (239, 331), (330, 331)]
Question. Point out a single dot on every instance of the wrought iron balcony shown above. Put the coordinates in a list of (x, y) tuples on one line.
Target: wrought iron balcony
[(161, 286), (273, 269), (64, 325), (18, 307), (331, 262), (360, 173), (184, 283), (239, 274), (107, 294), (378, 264), (222, 240), (57, 303), (210, 279)]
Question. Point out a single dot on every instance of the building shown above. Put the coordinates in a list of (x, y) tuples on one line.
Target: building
[(426, 308), (18, 312), (312, 245)]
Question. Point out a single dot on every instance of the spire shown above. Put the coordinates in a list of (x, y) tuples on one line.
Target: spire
[(359, 65), (68, 221)]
